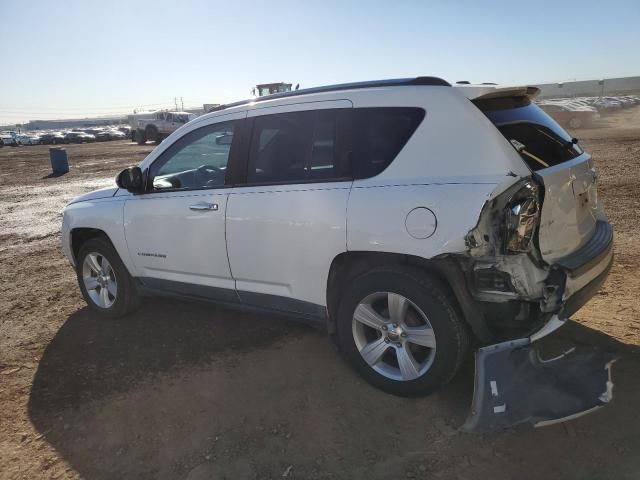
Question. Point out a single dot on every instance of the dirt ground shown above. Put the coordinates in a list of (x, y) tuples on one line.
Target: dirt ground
[(194, 391)]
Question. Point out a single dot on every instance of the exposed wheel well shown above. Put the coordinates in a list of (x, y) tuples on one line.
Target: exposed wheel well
[(349, 265), (81, 235)]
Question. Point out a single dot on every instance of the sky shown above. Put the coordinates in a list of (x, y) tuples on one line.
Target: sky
[(70, 59)]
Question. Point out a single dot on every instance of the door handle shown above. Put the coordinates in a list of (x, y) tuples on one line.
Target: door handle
[(204, 206)]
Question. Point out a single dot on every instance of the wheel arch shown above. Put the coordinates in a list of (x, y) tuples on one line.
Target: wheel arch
[(348, 265), (81, 235)]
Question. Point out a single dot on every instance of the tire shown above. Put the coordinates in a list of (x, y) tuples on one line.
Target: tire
[(126, 298), (140, 137), (151, 132), (428, 306), (575, 122)]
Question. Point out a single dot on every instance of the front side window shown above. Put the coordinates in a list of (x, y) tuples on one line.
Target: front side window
[(197, 160), (298, 147)]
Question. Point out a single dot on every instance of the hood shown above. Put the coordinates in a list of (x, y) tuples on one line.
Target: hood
[(96, 194)]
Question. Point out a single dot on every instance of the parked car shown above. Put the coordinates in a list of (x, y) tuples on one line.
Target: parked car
[(9, 140), (115, 134), (28, 139), (91, 131), (607, 104), (54, 138), (405, 234), (126, 129), (79, 137), (572, 116)]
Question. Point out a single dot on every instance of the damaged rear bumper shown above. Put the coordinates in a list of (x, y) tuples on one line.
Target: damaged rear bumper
[(514, 385)]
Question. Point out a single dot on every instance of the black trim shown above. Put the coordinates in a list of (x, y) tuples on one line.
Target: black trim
[(591, 253), (248, 301), (582, 296), (188, 290), (396, 82), (283, 304)]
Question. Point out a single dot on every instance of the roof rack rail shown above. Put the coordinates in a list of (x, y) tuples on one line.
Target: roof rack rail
[(396, 82)]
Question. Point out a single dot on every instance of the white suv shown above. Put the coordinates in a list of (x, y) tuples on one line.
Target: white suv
[(407, 217)]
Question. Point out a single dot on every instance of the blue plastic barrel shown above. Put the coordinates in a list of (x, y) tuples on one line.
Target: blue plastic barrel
[(59, 163)]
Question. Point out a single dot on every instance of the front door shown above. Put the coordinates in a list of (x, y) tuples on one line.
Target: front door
[(176, 231)]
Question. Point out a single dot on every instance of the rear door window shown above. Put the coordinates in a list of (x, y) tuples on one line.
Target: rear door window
[(539, 140), (299, 147)]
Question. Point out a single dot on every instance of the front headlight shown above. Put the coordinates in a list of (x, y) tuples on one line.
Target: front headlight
[(522, 215)]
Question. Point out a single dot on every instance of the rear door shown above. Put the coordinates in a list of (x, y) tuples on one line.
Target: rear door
[(287, 221), (570, 208)]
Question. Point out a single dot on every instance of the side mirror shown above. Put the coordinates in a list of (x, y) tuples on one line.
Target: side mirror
[(131, 180)]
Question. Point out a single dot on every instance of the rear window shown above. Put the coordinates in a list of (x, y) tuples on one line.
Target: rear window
[(539, 140)]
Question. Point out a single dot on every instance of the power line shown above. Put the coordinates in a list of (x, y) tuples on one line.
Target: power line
[(81, 109)]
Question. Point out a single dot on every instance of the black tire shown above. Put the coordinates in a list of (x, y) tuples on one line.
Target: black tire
[(151, 133), (429, 295), (139, 137), (127, 298)]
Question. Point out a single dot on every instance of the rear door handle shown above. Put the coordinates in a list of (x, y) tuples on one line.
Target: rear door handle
[(204, 206)]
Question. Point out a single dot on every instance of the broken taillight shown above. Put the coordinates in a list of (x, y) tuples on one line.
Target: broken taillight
[(522, 215)]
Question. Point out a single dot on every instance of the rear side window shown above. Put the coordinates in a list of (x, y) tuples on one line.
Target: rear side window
[(380, 134), (298, 147), (539, 140)]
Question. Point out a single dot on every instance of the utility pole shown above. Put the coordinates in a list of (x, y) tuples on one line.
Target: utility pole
[(181, 104), (175, 102)]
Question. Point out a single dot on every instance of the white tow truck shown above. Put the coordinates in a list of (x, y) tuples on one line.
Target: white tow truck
[(158, 125)]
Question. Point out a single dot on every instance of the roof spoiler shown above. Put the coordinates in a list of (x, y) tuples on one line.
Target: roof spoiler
[(531, 92)]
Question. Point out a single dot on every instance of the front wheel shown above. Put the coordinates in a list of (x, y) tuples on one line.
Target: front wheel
[(104, 281), (401, 331), (140, 137)]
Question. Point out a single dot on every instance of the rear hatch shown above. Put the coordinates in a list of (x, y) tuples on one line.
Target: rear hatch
[(570, 208)]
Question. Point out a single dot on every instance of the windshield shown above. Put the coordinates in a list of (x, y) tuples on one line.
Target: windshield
[(539, 140)]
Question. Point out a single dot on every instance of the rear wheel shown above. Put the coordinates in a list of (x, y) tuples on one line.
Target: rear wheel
[(104, 281), (399, 329)]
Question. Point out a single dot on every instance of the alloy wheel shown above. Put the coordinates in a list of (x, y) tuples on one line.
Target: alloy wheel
[(394, 336), (99, 280)]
